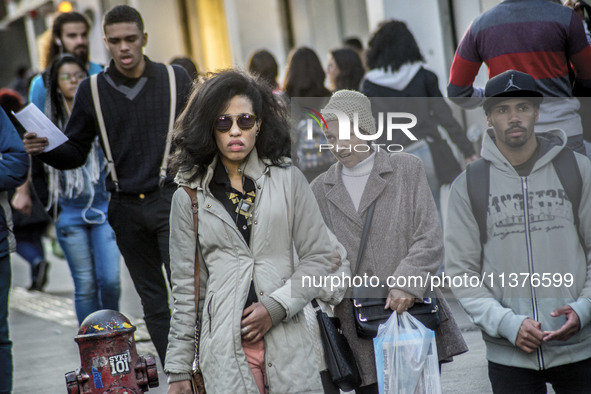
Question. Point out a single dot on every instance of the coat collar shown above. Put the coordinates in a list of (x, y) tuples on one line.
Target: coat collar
[(339, 196), (253, 167)]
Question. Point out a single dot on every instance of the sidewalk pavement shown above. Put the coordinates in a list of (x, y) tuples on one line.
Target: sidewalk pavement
[(43, 326)]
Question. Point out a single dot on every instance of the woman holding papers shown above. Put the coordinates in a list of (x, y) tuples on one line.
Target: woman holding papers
[(80, 201)]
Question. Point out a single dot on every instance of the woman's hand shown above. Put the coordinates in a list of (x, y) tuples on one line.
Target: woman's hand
[(180, 387), (256, 321), (399, 301), (336, 261)]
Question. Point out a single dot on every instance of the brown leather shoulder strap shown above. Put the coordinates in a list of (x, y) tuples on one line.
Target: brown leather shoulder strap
[(195, 209)]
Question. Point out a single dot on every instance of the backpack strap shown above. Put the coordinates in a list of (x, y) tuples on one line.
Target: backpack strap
[(101, 121), (569, 174), (172, 83), (478, 184)]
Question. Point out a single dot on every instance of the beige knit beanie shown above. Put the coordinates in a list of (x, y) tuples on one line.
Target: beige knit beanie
[(350, 102)]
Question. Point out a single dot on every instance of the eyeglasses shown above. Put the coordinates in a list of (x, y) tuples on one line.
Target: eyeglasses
[(78, 75), (244, 121)]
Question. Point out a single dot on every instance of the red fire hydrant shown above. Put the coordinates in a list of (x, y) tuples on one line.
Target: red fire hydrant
[(110, 363)]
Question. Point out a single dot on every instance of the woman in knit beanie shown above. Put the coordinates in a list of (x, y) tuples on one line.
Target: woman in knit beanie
[(404, 237)]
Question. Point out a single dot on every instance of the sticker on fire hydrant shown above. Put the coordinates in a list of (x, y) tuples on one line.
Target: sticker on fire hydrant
[(97, 378), (120, 363)]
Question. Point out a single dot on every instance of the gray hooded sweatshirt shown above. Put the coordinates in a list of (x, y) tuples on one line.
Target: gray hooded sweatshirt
[(533, 262)]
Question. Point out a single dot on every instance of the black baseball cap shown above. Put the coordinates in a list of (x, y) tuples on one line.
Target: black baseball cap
[(511, 83)]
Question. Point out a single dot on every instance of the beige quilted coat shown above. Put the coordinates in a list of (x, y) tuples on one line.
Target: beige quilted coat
[(285, 215)]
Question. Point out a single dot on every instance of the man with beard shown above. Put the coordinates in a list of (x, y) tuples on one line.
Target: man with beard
[(69, 34), (533, 296), (136, 99)]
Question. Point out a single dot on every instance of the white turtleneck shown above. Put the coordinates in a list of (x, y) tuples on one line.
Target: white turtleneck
[(355, 178)]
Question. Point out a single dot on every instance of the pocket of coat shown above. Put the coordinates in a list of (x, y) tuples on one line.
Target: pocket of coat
[(209, 305)]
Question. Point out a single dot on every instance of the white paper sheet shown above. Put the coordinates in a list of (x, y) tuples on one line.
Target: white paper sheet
[(35, 121)]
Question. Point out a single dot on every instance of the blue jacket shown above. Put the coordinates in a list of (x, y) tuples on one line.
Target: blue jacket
[(14, 167)]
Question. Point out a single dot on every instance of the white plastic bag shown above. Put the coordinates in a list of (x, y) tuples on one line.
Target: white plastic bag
[(406, 357)]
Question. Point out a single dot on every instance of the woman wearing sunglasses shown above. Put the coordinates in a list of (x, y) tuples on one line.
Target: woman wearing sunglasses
[(80, 197), (233, 147)]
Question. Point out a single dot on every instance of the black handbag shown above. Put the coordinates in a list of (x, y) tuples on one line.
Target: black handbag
[(369, 311), (338, 355)]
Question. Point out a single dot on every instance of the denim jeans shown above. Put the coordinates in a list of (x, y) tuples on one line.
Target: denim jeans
[(5, 343), (93, 257)]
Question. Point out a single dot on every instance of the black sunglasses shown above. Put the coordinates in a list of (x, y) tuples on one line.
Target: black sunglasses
[(244, 121)]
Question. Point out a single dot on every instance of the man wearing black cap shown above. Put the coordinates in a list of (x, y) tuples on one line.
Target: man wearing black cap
[(526, 253)]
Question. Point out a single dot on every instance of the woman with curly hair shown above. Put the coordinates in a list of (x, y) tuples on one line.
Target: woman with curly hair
[(254, 207)]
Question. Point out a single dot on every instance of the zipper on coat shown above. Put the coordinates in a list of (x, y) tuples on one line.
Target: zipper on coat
[(530, 262)]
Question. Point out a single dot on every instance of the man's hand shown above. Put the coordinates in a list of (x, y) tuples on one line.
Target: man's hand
[(530, 335), (257, 321), (399, 301), (568, 329), (180, 387), (33, 144), (21, 201)]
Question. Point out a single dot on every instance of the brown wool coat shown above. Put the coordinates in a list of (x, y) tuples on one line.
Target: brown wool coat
[(405, 239)]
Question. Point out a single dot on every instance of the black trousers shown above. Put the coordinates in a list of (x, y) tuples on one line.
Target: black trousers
[(141, 226), (569, 378)]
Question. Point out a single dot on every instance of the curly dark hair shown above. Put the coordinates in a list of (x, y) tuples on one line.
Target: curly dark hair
[(305, 75), (392, 45), (194, 130), (350, 69)]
